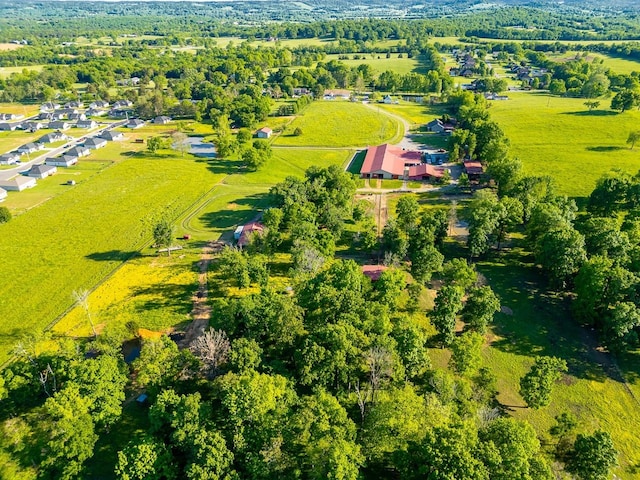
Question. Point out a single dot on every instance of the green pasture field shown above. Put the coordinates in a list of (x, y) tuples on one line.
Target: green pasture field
[(416, 114), (7, 71), (617, 64), (558, 137), (50, 187), (341, 124), (380, 63), (11, 140), (75, 239), (18, 108)]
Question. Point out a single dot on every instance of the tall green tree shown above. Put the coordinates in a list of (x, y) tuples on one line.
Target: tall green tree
[(447, 305), (592, 456), (536, 386)]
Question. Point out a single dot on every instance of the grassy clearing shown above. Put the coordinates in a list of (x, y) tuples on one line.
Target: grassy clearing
[(617, 64), (7, 71), (48, 188), (416, 114), (324, 124), (74, 240), (379, 63), (18, 108), (541, 324), (559, 137), (11, 140)]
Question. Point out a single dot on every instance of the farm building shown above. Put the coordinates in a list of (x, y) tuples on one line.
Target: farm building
[(30, 148), (438, 126), (95, 142), (474, 170), (58, 125), (373, 272), (88, 124), (248, 230), (18, 184), (8, 127), (3, 194), (425, 171), (161, 120), (62, 161), (9, 158), (112, 135), (437, 157), (389, 161), (264, 132), (79, 152), (135, 123), (52, 137), (41, 171)]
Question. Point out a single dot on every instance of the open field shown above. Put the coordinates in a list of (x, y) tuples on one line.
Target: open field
[(379, 63), (617, 64), (324, 124), (10, 46), (77, 238), (11, 140), (6, 71), (560, 138), (26, 110)]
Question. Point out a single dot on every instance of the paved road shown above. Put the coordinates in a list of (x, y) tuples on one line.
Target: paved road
[(12, 172)]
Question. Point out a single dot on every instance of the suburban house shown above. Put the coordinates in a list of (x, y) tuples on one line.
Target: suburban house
[(79, 152), (373, 272), (248, 230), (65, 112), (92, 112), (388, 100), (88, 124), (122, 104), (135, 123), (77, 116), (3, 194), (74, 104), (10, 116), (474, 170), (99, 104), (32, 126), (59, 125), (41, 171), (52, 137), (438, 126), (9, 158), (46, 116), (30, 148), (49, 106), (62, 161), (264, 132), (112, 135), (18, 184), (161, 120), (8, 127), (120, 113), (95, 142)]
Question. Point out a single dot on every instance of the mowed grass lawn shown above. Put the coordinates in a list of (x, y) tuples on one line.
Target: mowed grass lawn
[(559, 137), (341, 124), (380, 63), (74, 240)]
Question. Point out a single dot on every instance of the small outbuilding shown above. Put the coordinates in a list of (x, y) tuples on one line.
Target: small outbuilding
[(264, 132), (248, 230)]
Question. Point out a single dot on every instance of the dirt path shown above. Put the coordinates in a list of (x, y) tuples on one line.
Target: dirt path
[(201, 312)]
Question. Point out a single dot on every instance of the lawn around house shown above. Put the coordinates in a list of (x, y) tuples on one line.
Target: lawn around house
[(340, 124)]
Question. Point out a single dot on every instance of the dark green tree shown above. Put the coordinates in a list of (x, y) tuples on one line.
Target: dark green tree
[(537, 384), (592, 456)]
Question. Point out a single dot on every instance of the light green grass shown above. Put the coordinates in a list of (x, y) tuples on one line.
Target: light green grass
[(559, 137), (12, 140), (541, 325), (74, 240), (616, 64), (18, 108), (7, 71), (379, 63), (416, 114), (341, 124), (50, 187)]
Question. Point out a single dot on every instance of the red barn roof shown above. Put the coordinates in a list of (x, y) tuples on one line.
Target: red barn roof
[(373, 271), (247, 231), (389, 158), (425, 170), (473, 168)]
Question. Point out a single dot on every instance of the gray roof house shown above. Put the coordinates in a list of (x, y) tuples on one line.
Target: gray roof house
[(135, 123), (435, 125), (77, 116), (32, 126), (86, 124), (62, 161), (30, 148), (161, 120), (52, 137), (74, 104), (41, 171), (59, 125), (79, 152), (50, 106), (112, 135), (3, 194), (99, 104), (95, 142), (8, 127), (92, 112), (9, 158), (17, 184), (122, 103)]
